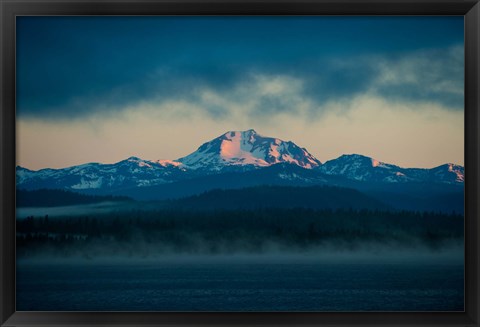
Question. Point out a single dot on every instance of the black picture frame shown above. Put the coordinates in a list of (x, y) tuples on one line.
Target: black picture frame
[(9, 9)]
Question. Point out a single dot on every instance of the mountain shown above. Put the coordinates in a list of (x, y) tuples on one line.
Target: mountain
[(361, 168), (247, 149), (448, 173), (239, 159), (234, 151), (284, 174), (131, 172)]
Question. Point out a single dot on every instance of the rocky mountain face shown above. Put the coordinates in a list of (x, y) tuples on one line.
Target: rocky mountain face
[(247, 149)]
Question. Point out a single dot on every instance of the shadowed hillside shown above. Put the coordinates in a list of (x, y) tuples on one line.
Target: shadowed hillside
[(314, 197)]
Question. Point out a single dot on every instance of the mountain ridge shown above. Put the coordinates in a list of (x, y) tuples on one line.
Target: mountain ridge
[(235, 152)]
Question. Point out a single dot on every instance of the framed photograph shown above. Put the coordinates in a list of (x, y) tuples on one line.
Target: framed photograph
[(239, 163)]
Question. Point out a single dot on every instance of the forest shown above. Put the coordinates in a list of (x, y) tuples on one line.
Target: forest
[(143, 233)]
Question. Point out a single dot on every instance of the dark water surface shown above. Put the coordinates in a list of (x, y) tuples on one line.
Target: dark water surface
[(231, 284)]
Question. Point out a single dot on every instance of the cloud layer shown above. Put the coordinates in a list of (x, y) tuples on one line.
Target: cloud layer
[(157, 88), (75, 66)]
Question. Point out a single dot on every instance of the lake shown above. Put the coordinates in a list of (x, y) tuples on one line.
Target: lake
[(237, 283)]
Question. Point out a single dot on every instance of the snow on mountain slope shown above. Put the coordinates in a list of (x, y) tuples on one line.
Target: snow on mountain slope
[(130, 172), (449, 173), (247, 149), (361, 168), (234, 152)]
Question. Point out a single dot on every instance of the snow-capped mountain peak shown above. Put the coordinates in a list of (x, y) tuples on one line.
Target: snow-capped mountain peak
[(247, 149), (355, 166), (450, 173), (239, 152), (362, 168)]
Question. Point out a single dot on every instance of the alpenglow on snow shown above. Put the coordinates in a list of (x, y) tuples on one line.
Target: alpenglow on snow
[(233, 152)]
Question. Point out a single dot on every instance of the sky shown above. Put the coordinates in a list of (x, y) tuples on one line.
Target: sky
[(102, 89)]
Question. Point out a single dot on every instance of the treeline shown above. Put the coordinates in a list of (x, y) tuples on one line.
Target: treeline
[(55, 198), (142, 233)]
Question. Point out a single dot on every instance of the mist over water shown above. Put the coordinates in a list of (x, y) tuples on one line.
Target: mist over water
[(132, 258), (364, 253), (153, 233)]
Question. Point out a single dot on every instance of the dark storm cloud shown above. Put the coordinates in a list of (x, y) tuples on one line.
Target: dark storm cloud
[(72, 67)]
